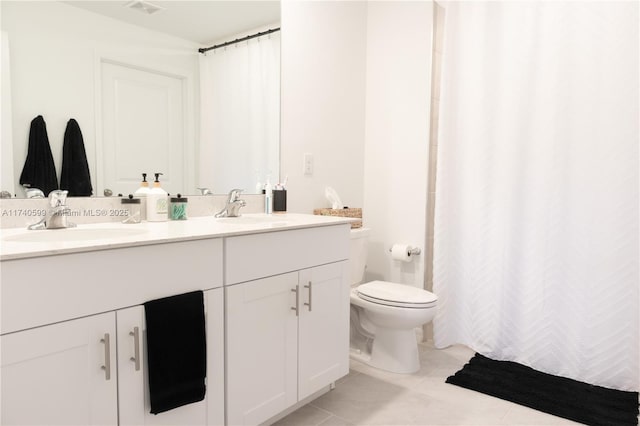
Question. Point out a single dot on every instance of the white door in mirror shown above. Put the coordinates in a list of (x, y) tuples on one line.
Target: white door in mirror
[(142, 130)]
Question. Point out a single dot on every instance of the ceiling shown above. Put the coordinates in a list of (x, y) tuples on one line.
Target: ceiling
[(203, 22)]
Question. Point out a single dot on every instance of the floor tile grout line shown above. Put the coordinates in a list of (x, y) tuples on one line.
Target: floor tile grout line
[(341, 418), (325, 411)]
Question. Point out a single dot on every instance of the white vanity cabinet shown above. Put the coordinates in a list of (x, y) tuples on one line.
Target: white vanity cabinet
[(57, 374), (72, 324), (287, 334), (54, 352)]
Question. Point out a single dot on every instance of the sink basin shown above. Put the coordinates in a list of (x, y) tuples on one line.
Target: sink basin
[(254, 220), (73, 234)]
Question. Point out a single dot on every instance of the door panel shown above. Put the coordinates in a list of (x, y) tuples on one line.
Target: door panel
[(143, 127), (323, 327), (261, 348), (214, 300), (133, 389), (53, 374)]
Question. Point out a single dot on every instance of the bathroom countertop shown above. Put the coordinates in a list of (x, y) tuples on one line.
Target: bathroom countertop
[(20, 243)]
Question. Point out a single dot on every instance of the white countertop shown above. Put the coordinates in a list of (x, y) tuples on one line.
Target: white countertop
[(20, 243)]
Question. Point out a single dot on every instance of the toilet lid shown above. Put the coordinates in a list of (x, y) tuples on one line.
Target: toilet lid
[(400, 295)]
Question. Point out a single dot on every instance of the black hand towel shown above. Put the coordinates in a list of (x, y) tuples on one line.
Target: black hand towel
[(75, 176), (176, 351), (39, 170)]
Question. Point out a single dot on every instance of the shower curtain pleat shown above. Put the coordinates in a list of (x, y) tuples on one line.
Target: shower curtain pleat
[(536, 242)]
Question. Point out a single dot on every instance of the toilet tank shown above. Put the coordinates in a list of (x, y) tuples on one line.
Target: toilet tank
[(358, 254)]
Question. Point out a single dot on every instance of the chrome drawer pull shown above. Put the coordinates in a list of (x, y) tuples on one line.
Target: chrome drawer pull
[(136, 347), (295, 290), (309, 287), (107, 357)]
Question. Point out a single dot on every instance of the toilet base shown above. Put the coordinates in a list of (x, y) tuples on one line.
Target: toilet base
[(393, 350)]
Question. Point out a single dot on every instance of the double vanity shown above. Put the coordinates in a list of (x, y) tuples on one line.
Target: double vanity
[(276, 296)]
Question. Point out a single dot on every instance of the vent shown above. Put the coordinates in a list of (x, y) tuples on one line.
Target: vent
[(144, 7)]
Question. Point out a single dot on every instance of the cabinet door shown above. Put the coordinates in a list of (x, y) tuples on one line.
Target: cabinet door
[(57, 374), (214, 300), (261, 348), (133, 389), (323, 327)]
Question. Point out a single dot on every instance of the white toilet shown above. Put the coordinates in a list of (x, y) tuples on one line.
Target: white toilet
[(384, 315)]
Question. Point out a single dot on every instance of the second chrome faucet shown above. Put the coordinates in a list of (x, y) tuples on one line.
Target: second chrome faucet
[(233, 204)]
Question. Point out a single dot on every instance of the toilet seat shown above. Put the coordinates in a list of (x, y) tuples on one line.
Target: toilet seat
[(398, 295)]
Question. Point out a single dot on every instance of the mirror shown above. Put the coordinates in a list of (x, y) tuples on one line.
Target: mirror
[(130, 74)]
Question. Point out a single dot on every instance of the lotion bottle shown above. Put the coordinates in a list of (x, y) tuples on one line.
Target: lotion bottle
[(144, 189), (157, 202)]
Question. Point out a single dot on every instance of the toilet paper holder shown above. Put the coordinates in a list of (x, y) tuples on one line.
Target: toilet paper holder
[(412, 251)]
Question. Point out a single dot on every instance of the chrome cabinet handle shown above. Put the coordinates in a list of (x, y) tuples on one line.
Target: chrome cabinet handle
[(107, 357), (136, 347), (309, 304), (295, 290)]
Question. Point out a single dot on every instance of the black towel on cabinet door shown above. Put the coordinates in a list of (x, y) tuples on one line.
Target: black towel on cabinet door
[(176, 351), (39, 170), (75, 176)]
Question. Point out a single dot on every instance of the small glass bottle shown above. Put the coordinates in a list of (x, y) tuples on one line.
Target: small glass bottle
[(178, 208), (132, 205)]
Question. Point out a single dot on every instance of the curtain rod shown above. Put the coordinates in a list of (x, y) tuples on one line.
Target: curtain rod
[(238, 40)]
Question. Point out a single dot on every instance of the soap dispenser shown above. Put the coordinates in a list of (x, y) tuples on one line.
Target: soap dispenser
[(157, 202), (144, 189)]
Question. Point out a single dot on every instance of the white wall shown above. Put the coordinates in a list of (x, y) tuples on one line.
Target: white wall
[(55, 48), (356, 80), (399, 45), (323, 98)]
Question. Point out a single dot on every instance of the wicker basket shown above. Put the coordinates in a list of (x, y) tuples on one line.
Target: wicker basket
[(349, 212)]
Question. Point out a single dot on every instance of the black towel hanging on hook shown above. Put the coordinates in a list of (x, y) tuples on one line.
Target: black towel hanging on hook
[(39, 170), (75, 176)]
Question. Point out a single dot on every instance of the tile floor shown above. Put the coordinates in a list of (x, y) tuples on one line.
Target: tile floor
[(367, 396)]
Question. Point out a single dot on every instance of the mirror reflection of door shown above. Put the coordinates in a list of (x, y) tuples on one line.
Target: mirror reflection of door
[(142, 128)]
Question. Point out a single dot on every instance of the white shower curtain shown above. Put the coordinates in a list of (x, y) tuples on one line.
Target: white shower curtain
[(536, 228), (240, 114)]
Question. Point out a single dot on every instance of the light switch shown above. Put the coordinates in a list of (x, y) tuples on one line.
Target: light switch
[(308, 164)]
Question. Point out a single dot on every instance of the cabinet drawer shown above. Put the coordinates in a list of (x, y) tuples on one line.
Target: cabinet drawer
[(254, 256), (49, 289)]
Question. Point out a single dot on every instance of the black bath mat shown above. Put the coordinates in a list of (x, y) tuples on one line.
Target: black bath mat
[(573, 400)]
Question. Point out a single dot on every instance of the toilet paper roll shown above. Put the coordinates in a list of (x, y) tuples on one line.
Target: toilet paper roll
[(401, 252)]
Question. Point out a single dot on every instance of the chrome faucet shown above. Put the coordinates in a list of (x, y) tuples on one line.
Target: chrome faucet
[(57, 214), (205, 191), (233, 204), (33, 192)]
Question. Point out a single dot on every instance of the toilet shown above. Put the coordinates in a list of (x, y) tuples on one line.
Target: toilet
[(384, 315)]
